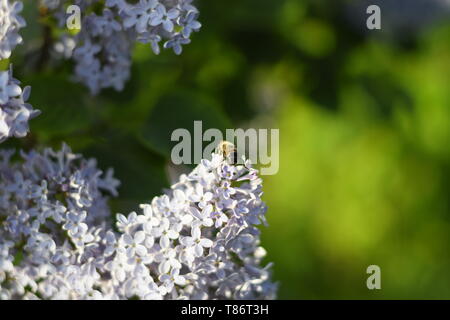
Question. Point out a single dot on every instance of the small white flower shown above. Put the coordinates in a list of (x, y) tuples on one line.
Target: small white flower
[(176, 43), (196, 242), (125, 224), (204, 216), (134, 245), (166, 232), (190, 23), (167, 259), (174, 278), (198, 195), (161, 16), (111, 243)]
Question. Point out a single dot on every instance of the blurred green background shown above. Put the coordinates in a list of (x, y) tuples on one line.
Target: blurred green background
[(364, 120)]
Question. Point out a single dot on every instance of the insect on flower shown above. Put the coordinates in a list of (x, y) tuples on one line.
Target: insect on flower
[(228, 151)]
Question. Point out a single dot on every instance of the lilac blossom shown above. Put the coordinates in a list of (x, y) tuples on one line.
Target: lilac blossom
[(207, 251), (102, 48), (172, 249), (58, 237), (10, 21), (15, 112)]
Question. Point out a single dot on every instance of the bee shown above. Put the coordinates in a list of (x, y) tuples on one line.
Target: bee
[(228, 151)]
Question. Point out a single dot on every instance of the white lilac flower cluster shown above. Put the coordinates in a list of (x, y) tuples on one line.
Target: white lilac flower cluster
[(198, 241), (10, 23), (102, 48), (15, 112), (52, 213)]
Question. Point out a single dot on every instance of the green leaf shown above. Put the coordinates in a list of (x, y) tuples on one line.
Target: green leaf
[(180, 110), (140, 171), (64, 105)]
